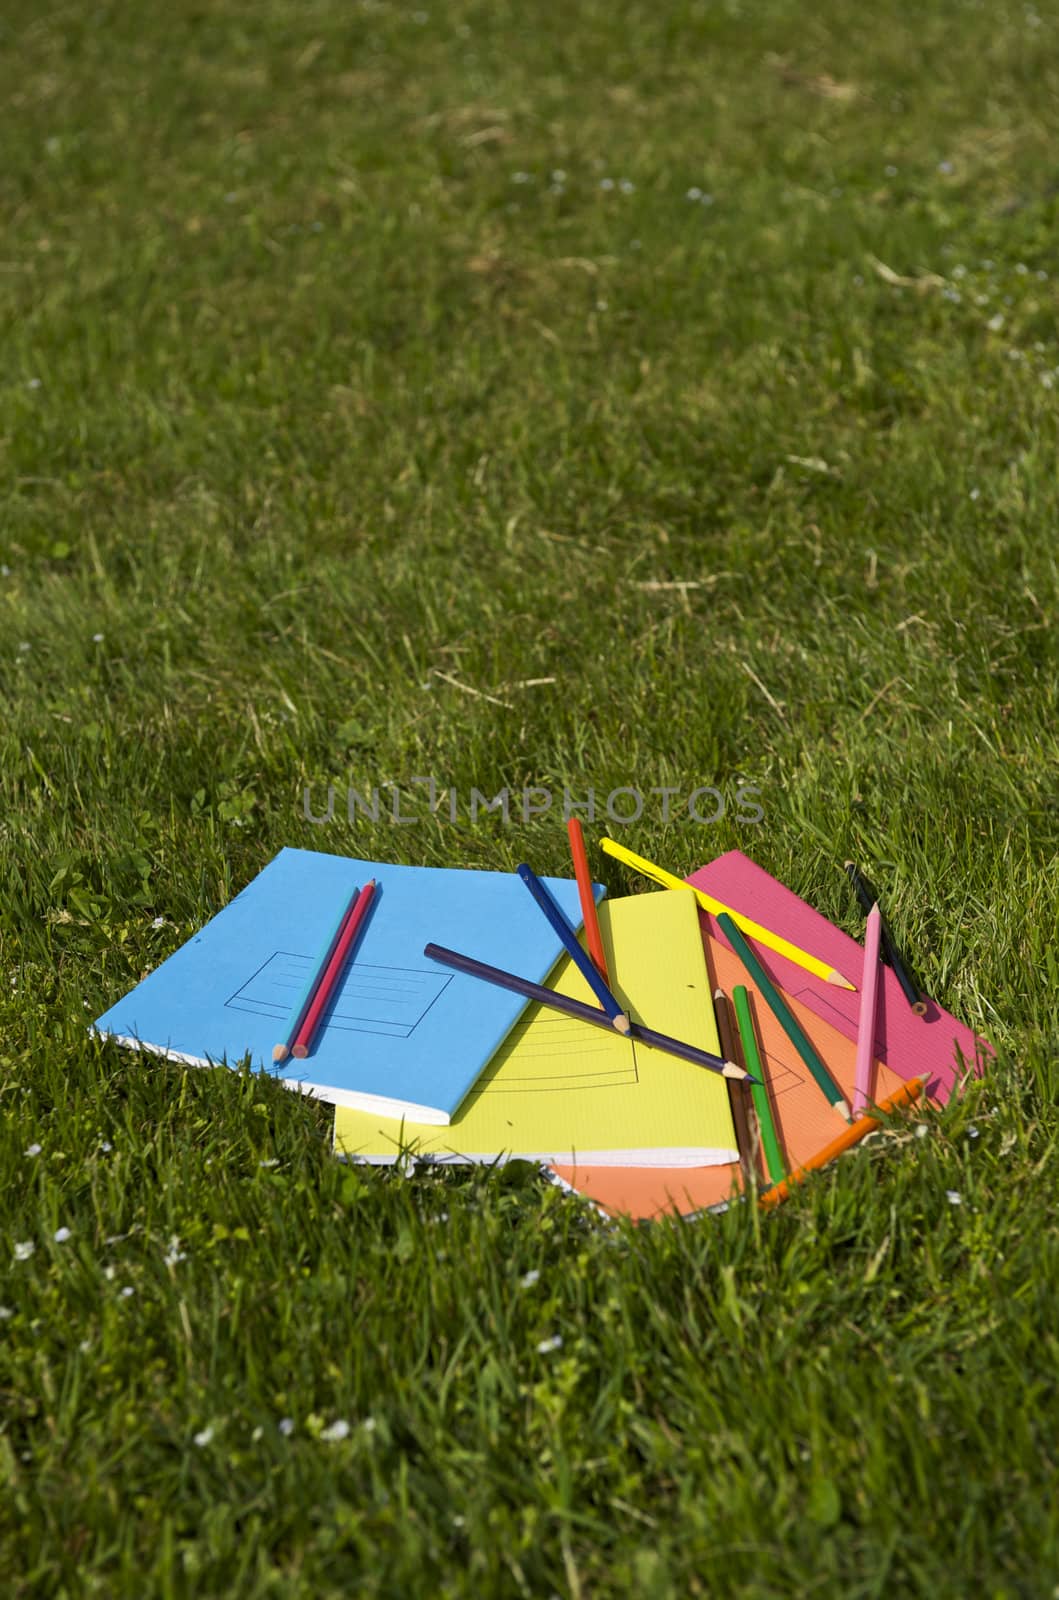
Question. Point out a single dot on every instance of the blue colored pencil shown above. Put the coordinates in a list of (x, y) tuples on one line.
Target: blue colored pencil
[(319, 967), (572, 944)]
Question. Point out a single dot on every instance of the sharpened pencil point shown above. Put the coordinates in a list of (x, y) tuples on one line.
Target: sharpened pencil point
[(622, 1023), (835, 977), (731, 1070), (299, 1052), (843, 1110), (280, 1052)]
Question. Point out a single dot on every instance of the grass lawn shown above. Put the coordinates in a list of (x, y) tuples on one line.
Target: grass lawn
[(626, 394)]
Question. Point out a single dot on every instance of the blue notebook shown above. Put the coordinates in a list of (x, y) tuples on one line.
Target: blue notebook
[(404, 1036)]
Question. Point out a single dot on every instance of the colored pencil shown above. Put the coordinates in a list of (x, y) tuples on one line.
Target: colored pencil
[(760, 1091), (765, 936), (335, 968), (745, 1141), (784, 1016), (869, 993), (572, 944), (319, 967), (852, 1135), (867, 897), (589, 915), (581, 1010)]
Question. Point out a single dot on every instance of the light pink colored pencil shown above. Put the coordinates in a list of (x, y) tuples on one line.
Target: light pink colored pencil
[(869, 990)]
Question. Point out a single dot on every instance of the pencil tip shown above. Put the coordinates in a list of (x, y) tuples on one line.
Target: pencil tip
[(718, 994), (300, 1052), (835, 977), (280, 1052), (621, 1022), (843, 1110)]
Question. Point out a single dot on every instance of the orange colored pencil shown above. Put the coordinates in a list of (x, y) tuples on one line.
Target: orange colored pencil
[(593, 937), (851, 1136)]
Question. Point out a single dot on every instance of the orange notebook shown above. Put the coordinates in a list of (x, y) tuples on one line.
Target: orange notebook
[(804, 1120)]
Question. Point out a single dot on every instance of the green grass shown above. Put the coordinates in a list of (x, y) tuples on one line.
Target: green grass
[(316, 386)]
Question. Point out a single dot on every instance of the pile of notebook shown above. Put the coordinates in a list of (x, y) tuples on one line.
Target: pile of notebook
[(711, 1035)]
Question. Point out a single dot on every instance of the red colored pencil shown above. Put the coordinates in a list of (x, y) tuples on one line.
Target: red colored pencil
[(333, 974), (593, 937)]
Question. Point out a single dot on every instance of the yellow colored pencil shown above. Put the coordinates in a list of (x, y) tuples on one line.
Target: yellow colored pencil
[(753, 930)]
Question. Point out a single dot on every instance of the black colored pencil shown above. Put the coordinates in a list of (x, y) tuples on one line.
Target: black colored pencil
[(583, 1012), (867, 897)]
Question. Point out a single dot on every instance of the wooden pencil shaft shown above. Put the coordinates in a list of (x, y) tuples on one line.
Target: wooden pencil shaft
[(736, 1092), (760, 1094), (866, 898), (764, 936), (589, 914), (869, 995), (783, 1014), (572, 944), (572, 1008), (852, 1135), (332, 977), (319, 967)]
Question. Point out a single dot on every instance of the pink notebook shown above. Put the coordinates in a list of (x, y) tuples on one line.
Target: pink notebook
[(909, 1045)]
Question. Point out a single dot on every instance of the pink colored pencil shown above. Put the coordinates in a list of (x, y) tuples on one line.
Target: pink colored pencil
[(333, 973), (869, 991)]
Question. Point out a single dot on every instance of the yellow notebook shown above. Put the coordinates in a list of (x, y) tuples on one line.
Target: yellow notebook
[(561, 1090)]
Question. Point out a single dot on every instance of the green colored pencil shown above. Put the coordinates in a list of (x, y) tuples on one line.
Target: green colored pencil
[(784, 1016), (762, 1105)]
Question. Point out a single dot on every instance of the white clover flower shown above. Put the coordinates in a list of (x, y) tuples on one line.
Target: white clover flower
[(974, 495), (972, 1132), (158, 922), (5, 1312), (286, 1426), (61, 1235), (528, 1279), (106, 1146), (996, 323), (203, 1437), (693, 194), (97, 638), (127, 1292), (626, 187), (24, 1248), (33, 1149), (606, 183), (547, 1345), (337, 1431), (954, 1197)]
